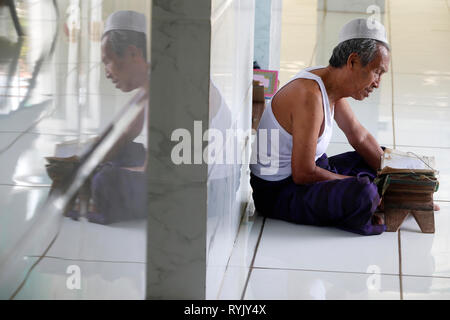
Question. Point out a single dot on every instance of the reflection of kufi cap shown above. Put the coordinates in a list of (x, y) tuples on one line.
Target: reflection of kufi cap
[(126, 20), (363, 28)]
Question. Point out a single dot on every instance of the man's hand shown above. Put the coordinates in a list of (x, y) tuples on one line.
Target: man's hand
[(59, 169)]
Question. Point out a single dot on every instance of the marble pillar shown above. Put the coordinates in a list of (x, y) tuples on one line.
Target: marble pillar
[(180, 56), (201, 79)]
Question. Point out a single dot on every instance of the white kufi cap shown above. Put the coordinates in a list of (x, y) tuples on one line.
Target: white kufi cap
[(126, 20), (363, 28)]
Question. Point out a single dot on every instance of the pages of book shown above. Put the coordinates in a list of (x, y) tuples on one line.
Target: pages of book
[(73, 148), (395, 159)]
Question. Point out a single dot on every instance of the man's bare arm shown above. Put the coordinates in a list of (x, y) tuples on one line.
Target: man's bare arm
[(307, 118), (128, 136), (361, 140)]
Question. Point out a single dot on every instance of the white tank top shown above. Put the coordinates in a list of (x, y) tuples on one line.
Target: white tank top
[(273, 161)]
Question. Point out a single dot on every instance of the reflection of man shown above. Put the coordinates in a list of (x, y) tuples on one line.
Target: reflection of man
[(119, 186), (307, 187)]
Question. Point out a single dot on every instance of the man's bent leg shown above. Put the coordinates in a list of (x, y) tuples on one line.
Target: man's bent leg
[(348, 204), (351, 164), (118, 194)]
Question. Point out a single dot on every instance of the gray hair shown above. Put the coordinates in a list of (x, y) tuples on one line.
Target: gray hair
[(366, 49), (119, 40)]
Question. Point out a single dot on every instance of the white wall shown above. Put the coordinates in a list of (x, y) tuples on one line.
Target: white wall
[(229, 111)]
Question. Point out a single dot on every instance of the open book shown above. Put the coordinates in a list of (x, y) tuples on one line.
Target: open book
[(75, 147), (395, 161), (66, 160), (407, 173)]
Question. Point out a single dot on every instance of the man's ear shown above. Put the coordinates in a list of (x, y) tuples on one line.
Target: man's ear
[(134, 51), (352, 60)]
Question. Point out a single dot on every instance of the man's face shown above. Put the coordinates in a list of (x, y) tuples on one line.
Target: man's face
[(367, 78), (118, 69)]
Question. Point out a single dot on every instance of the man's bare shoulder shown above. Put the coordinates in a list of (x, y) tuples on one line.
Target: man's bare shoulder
[(300, 92), (298, 102)]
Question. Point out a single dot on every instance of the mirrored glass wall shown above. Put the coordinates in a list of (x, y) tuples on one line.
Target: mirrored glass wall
[(73, 141)]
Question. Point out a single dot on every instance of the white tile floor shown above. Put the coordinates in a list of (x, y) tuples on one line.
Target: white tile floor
[(100, 281), (272, 259), (410, 112)]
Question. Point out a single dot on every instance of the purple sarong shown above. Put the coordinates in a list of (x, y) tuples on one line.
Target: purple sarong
[(120, 194), (347, 204)]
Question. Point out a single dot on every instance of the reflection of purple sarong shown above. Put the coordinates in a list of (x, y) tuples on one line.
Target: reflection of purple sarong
[(347, 204), (120, 194)]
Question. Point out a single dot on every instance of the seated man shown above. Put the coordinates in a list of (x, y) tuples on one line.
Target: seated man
[(118, 186), (305, 186)]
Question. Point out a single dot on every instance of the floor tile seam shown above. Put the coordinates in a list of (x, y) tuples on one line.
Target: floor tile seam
[(70, 134), (443, 148), (46, 114), (253, 260), (324, 271), (25, 186), (74, 94), (73, 65), (400, 264), (61, 19), (417, 106), (402, 275), (382, 143), (232, 252), (89, 260), (77, 134), (422, 147), (445, 75), (299, 24), (389, 18), (44, 20), (425, 276), (26, 132), (12, 143), (347, 143), (30, 270), (388, 15)]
